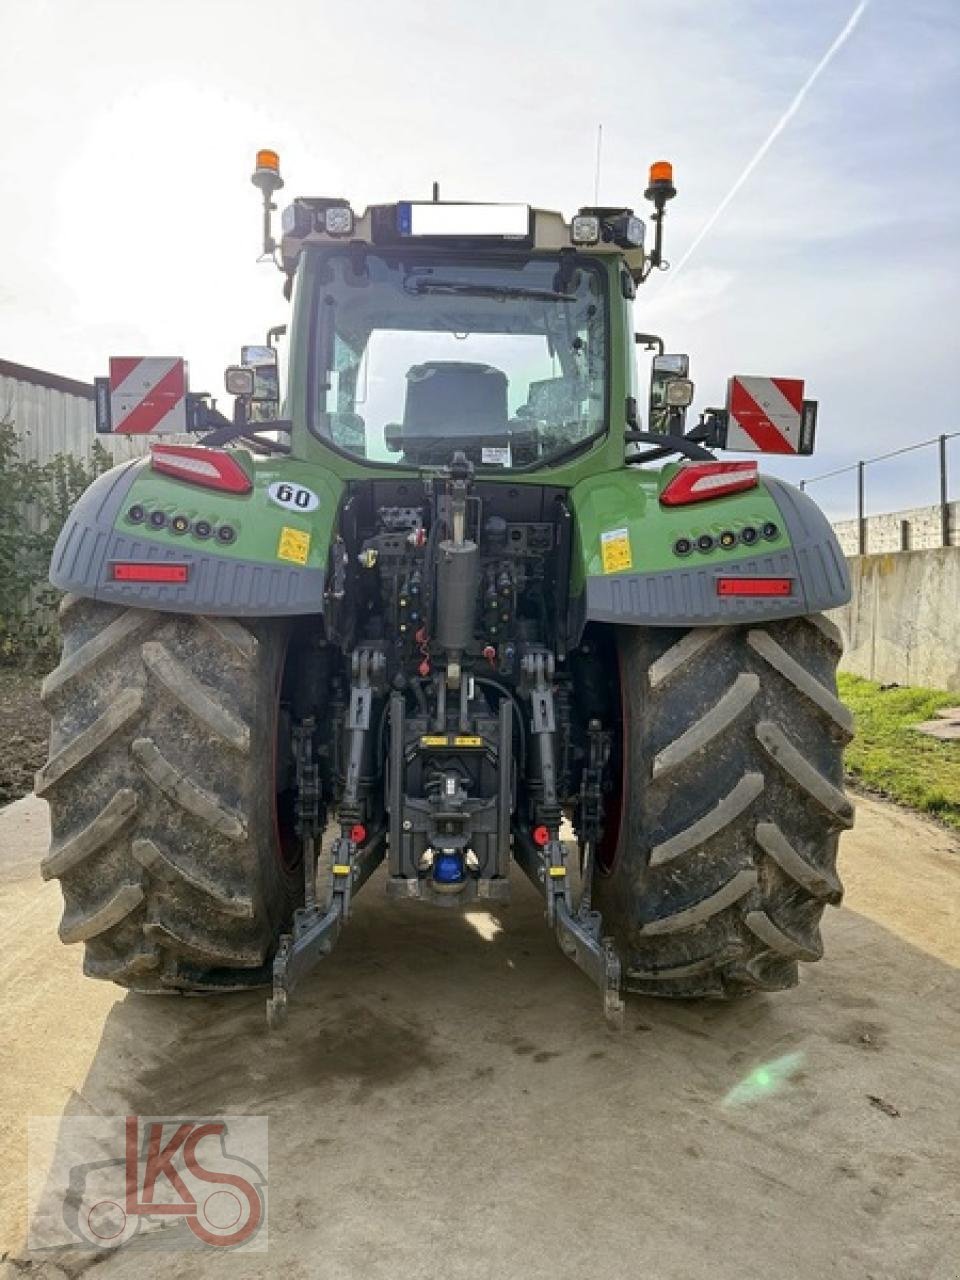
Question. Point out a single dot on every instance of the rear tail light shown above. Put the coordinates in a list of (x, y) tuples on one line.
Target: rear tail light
[(131, 571), (754, 586), (212, 468), (699, 481)]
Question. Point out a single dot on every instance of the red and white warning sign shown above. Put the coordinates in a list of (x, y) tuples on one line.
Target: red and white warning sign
[(764, 415), (148, 395)]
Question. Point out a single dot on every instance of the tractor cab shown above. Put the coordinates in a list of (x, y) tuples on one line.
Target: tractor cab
[(434, 328)]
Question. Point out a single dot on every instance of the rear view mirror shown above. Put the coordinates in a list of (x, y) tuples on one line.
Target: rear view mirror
[(255, 356), (265, 395), (675, 366), (671, 392)]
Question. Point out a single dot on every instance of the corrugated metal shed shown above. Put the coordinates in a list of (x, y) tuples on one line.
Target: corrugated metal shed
[(55, 415)]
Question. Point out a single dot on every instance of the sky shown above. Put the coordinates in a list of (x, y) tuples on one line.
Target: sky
[(129, 224)]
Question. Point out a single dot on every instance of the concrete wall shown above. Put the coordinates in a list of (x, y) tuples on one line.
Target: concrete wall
[(902, 624), (913, 530)]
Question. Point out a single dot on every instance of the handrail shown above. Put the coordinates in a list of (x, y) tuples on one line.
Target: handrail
[(861, 466), (880, 457)]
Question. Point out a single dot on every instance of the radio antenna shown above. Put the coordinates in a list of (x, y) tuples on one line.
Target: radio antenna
[(596, 175)]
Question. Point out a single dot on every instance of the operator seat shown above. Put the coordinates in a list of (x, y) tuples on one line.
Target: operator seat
[(452, 399)]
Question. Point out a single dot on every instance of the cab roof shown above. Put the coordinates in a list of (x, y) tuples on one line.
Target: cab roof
[(323, 220)]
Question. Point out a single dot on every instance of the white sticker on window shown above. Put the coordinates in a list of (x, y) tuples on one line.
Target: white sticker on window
[(495, 456), (293, 497)]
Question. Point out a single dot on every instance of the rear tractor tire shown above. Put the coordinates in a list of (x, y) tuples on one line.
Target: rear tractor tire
[(161, 786), (720, 853)]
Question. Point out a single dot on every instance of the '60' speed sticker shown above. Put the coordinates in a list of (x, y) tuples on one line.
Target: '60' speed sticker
[(293, 496)]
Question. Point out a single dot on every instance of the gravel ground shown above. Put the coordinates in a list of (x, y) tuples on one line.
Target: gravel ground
[(24, 728), (447, 1101)]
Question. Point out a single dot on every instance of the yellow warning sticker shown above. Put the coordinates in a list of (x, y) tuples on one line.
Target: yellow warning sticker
[(294, 545), (468, 740), (615, 550), (434, 740)]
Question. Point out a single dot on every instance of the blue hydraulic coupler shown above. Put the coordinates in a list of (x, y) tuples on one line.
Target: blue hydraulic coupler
[(448, 868)]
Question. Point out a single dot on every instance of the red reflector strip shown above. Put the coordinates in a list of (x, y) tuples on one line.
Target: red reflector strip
[(754, 586), (131, 572)]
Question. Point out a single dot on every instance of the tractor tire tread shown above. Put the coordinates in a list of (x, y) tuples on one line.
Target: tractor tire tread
[(733, 803), (163, 832)]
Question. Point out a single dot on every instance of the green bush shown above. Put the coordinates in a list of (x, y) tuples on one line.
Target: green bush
[(35, 500)]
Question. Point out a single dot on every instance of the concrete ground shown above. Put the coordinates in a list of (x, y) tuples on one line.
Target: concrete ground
[(447, 1101)]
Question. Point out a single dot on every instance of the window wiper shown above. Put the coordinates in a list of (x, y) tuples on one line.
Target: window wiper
[(467, 289)]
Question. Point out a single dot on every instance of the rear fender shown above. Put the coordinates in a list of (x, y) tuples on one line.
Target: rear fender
[(263, 556), (628, 569)]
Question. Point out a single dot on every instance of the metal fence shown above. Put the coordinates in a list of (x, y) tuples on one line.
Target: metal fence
[(860, 468)]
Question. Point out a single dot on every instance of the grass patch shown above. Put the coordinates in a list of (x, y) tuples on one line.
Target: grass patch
[(890, 757)]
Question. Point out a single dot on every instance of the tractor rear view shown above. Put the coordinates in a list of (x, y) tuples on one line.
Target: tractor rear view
[(447, 598)]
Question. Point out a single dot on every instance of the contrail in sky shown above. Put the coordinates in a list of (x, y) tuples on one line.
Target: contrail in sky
[(775, 132)]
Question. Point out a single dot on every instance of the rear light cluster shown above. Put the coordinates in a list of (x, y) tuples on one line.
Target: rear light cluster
[(211, 468), (701, 481)]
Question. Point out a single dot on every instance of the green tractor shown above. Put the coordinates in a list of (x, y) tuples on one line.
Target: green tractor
[(435, 605)]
